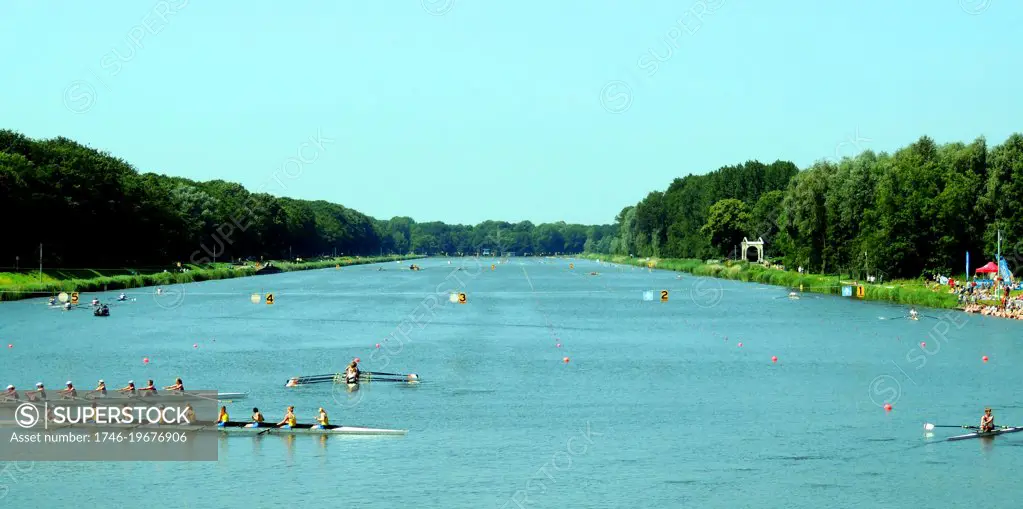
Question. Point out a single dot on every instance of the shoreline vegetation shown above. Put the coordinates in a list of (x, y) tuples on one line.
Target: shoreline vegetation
[(26, 285), (906, 292)]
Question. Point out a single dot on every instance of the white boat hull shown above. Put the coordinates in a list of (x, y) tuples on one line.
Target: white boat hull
[(238, 429)]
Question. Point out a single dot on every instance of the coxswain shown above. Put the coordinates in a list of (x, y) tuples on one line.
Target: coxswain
[(222, 419), (987, 421), (101, 389), (322, 420), (257, 418), (149, 388), (178, 386), (37, 395), (293, 382), (289, 420), (11, 394), (352, 373), (69, 391), (129, 389)]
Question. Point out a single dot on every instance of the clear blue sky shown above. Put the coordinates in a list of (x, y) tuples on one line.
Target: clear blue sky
[(492, 110)]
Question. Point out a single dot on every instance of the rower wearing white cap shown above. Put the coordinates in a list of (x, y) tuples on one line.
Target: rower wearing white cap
[(37, 395), (130, 388), (69, 391), (101, 389), (11, 394)]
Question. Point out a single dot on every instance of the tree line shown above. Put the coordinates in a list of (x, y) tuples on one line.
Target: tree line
[(90, 209), (914, 212)]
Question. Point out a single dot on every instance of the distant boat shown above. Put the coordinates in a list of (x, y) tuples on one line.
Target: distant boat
[(269, 269)]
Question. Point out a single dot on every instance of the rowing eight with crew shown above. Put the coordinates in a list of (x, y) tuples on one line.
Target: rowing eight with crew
[(71, 393)]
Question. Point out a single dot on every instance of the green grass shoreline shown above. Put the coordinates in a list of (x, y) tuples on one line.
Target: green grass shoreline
[(907, 292), (15, 286)]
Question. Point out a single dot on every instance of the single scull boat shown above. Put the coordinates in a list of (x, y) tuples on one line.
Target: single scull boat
[(987, 434)]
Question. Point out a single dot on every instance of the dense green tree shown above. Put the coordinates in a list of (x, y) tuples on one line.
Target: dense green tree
[(727, 223), (914, 211)]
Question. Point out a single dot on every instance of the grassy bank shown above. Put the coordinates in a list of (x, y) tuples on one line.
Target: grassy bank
[(15, 286), (910, 292)]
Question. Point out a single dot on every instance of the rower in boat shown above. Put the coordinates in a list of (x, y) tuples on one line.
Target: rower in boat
[(352, 373), (149, 388), (122, 297), (53, 301), (190, 414), (11, 394), (101, 389), (95, 302), (67, 306), (222, 418), (178, 386), (987, 421), (257, 418), (92, 420), (69, 391), (913, 315), (292, 382), (289, 420), (128, 389), (322, 420), (37, 395)]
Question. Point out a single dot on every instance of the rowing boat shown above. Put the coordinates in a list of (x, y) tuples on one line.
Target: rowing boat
[(114, 397), (987, 434), (242, 428)]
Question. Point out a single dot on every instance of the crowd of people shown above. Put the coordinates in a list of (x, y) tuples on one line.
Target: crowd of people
[(989, 297)]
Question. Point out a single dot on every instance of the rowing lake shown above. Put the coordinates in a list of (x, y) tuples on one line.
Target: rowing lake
[(658, 406)]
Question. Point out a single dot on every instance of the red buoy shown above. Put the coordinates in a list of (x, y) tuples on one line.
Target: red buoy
[(378, 345), (145, 360), (887, 407), (774, 358), (565, 359), (984, 358)]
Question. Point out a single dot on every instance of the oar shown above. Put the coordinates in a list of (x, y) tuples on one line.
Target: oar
[(316, 376), (892, 318), (929, 427), (372, 374)]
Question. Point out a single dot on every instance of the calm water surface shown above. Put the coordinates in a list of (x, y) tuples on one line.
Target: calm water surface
[(658, 406)]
